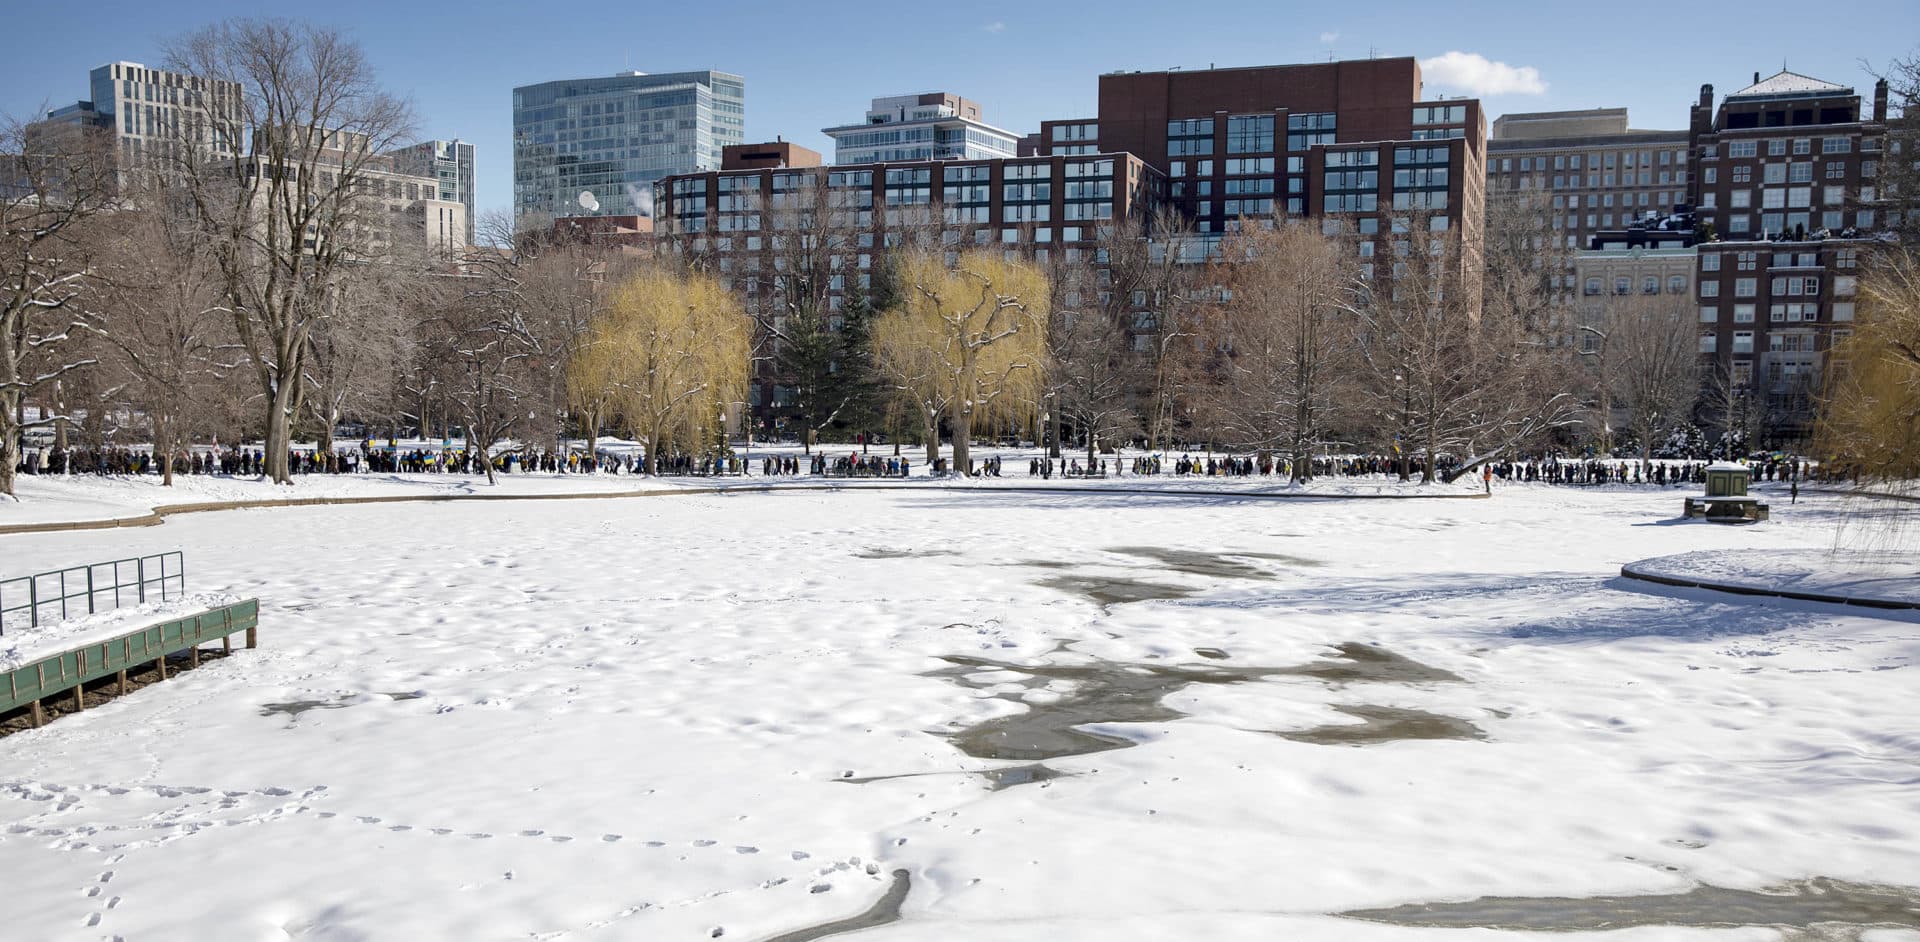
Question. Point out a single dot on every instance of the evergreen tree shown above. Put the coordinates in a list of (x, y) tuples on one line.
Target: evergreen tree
[(851, 381)]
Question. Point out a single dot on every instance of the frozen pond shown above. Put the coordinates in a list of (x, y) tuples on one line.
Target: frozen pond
[(937, 714)]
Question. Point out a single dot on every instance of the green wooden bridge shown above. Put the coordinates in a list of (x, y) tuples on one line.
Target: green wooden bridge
[(67, 672)]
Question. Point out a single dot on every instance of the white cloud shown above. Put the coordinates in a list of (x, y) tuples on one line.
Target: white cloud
[(995, 27), (1326, 39), (1475, 73)]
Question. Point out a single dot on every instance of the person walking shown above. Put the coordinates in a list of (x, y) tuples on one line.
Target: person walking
[(1486, 477)]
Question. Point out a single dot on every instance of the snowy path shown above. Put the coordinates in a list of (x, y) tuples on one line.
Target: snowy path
[(639, 719)]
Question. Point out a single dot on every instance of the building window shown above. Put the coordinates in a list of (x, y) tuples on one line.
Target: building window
[(1250, 134), (1708, 289), (1745, 287), (1310, 129), (1743, 313), (1709, 343), (1743, 341), (1709, 313), (1189, 137)]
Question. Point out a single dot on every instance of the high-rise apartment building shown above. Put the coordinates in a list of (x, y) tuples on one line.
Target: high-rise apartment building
[(451, 164), (1586, 171), (759, 226), (1355, 143), (930, 126), (1785, 185), (148, 110), (593, 146)]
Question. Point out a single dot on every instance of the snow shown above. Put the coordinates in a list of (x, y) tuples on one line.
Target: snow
[(630, 719), (44, 499), (1843, 574), (25, 645)]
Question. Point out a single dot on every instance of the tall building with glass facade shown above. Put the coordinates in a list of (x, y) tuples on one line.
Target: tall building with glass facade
[(612, 137), (451, 164)]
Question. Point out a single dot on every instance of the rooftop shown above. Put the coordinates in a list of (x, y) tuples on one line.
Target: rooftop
[(1785, 84)]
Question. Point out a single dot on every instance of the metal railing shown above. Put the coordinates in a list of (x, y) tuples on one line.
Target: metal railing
[(46, 597)]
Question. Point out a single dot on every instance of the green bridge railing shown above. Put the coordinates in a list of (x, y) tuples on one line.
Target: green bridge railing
[(30, 601)]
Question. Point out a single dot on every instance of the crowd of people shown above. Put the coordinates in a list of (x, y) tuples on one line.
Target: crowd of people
[(853, 465), (373, 457)]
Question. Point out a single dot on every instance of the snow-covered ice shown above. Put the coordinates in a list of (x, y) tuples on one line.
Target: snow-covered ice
[(1883, 576), (732, 715)]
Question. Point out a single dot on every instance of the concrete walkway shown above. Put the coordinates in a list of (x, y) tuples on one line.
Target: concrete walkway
[(1870, 579)]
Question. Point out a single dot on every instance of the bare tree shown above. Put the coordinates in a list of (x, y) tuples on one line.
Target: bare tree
[(1091, 372), (1643, 361), (1520, 352), (53, 181), (1413, 330), (165, 335), (1899, 173), (281, 183), (1282, 348)]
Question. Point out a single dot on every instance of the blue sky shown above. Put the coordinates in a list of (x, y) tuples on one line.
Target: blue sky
[(809, 66)]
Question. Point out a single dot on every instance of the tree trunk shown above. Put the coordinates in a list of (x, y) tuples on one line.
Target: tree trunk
[(12, 415), (279, 434), (60, 409), (962, 433), (163, 449), (323, 451), (933, 441), (1053, 430)]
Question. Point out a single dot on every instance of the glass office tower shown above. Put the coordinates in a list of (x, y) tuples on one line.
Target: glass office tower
[(612, 137)]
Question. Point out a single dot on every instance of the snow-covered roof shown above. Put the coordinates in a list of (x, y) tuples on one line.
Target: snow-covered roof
[(1726, 466), (1784, 82)]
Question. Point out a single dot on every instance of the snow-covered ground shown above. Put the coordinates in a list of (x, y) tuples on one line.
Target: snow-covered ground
[(1869, 575), (730, 715), (46, 499)]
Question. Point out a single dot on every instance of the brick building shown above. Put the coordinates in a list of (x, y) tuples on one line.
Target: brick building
[(1588, 171), (1354, 144), (777, 154), (1354, 140), (1785, 186), (753, 223)]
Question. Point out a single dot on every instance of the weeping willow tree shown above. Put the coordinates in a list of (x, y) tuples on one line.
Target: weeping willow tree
[(965, 341), (1867, 427), (669, 356), (590, 382)]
